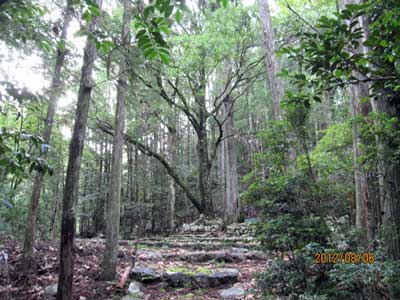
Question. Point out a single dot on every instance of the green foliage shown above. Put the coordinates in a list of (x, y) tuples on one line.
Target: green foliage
[(381, 127), (17, 154), (291, 207), (331, 52), (22, 22), (152, 25), (302, 278), (332, 155)]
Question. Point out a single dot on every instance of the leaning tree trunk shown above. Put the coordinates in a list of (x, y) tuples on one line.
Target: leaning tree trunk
[(113, 205), (71, 189), (275, 83), (55, 90)]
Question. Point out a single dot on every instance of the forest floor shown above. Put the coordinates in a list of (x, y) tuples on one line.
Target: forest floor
[(16, 285)]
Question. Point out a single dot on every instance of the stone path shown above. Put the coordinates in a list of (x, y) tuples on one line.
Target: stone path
[(195, 266)]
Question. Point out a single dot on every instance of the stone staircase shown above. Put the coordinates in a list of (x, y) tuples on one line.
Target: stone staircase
[(196, 259)]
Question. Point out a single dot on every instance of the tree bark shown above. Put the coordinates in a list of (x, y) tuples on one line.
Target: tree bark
[(172, 138), (390, 169), (55, 90), (113, 203), (204, 164), (65, 279), (360, 177), (231, 194), (275, 83)]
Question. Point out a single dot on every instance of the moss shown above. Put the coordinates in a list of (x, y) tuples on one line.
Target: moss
[(181, 270), (203, 270), (189, 271)]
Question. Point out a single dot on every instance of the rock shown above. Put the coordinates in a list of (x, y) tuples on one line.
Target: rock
[(150, 255), (223, 276), (237, 257), (185, 228), (201, 280), (177, 279), (232, 293), (51, 290), (240, 250), (135, 288), (145, 275), (131, 297), (256, 255), (217, 278)]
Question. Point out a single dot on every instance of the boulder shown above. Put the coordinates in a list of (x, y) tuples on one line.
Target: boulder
[(145, 275), (232, 293)]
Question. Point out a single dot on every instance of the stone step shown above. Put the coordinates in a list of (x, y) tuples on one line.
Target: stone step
[(186, 278), (195, 245), (194, 238), (230, 256)]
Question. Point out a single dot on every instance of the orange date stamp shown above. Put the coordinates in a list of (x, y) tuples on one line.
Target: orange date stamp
[(344, 258)]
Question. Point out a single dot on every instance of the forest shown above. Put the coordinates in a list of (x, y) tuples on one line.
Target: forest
[(176, 149)]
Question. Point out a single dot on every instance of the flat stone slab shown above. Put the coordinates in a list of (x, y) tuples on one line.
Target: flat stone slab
[(216, 277), (145, 275), (236, 292)]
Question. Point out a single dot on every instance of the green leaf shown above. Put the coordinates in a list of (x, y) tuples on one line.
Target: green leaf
[(147, 11), (338, 73), (178, 16), (168, 11), (164, 58), (383, 43), (94, 10), (87, 16)]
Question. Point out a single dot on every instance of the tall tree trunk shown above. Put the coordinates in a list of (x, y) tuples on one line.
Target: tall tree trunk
[(360, 177), (57, 197), (172, 138), (390, 169), (275, 83), (364, 199), (204, 165), (113, 205), (55, 90), (65, 278), (231, 194), (99, 216)]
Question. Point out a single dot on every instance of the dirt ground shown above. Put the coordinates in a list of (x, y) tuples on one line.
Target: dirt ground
[(15, 285)]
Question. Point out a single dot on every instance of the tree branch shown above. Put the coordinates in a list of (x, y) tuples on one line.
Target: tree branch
[(107, 128)]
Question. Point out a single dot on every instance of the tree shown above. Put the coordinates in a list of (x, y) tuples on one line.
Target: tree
[(113, 203), (271, 62), (55, 89), (325, 54), (65, 279)]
